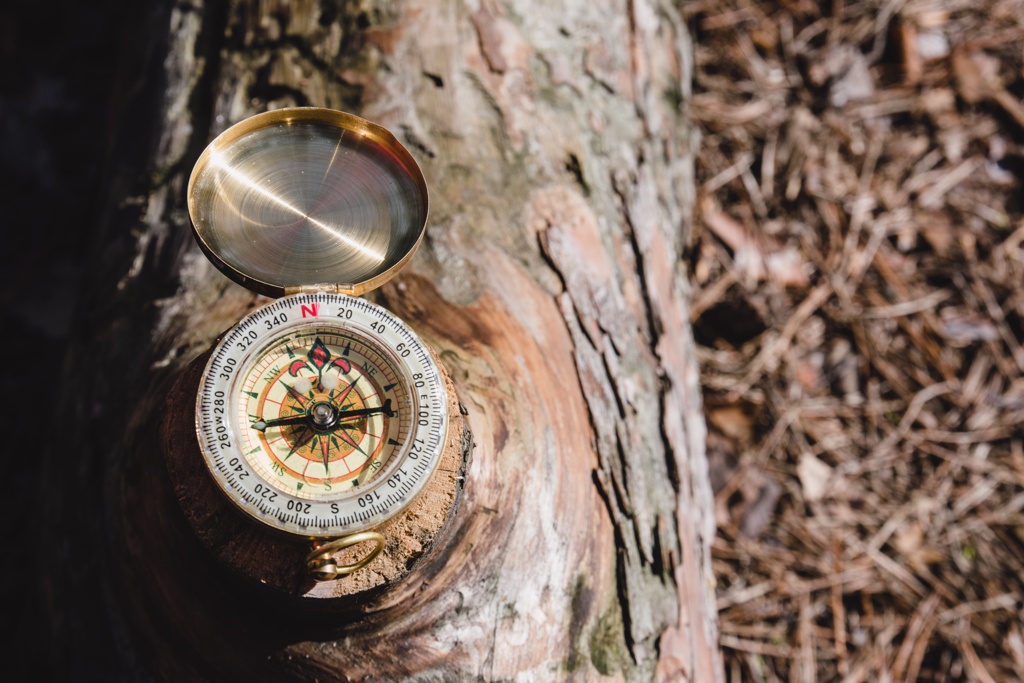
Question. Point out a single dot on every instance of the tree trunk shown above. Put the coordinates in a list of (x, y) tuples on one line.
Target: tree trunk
[(557, 150)]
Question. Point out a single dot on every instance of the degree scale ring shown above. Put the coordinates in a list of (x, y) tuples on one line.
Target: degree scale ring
[(245, 478)]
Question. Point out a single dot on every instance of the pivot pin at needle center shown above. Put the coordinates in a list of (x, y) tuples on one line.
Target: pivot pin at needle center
[(323, 415)]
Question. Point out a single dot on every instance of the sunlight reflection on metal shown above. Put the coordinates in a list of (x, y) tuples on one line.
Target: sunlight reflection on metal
[(334, 156), (307, 199), (218, 162)]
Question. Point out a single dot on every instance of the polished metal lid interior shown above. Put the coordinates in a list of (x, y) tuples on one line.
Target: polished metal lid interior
[(307, 198)]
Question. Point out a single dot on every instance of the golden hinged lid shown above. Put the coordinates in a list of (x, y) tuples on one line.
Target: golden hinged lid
[(307, 199)]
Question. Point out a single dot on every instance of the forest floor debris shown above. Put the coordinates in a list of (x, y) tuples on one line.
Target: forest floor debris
[(858, 276)]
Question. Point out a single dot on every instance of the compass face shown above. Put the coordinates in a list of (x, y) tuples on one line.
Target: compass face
[(321, 415)]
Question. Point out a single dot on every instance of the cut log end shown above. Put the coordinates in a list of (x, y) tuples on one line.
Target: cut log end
[(276, 563)]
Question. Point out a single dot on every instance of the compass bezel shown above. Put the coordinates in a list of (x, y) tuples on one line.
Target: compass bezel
[(390, 492)]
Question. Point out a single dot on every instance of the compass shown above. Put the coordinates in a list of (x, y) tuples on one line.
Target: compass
[(320, 415)]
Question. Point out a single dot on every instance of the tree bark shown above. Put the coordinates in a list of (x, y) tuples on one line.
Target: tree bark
[(556, 146)]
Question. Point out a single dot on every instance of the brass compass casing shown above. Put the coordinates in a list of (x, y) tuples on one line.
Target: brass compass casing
[(320, 416)]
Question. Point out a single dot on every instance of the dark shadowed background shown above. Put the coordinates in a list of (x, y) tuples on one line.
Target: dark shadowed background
[(78, 85)]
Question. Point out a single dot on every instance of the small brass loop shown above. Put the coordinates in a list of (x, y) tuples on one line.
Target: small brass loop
[(323, 567)]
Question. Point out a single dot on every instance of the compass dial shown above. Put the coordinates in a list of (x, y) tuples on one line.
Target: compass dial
[(321, 415)]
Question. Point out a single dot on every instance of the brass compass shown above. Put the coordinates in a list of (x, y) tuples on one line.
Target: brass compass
[(319, 415)]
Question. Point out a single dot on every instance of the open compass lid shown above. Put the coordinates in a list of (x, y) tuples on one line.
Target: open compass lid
[(307, 199)]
